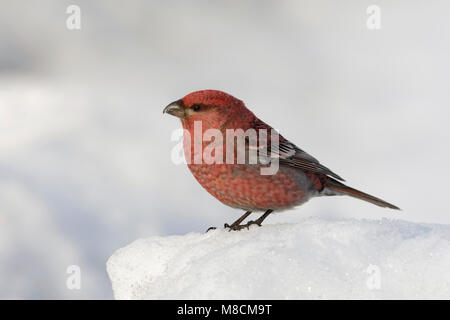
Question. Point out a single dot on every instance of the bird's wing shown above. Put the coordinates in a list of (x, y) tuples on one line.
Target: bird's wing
[(290, 155)]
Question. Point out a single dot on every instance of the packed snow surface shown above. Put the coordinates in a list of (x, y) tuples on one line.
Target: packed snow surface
[(312, 259)]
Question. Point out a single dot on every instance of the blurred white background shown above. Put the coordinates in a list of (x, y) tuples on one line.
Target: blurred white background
[(85, 149)]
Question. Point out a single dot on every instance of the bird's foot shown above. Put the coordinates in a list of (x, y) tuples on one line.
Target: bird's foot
[(234, 227), (241, 226), (251, 222)]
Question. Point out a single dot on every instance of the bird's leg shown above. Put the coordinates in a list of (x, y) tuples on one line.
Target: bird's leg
[(260, 219), (237, 224)]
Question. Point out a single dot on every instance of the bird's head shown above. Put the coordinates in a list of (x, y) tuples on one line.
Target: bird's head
[(215, 109)]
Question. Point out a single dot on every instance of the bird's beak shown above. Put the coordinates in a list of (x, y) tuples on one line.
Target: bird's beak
[(176, 109)]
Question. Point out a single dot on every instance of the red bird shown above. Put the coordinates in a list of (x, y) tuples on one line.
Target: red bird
[(242, 184)]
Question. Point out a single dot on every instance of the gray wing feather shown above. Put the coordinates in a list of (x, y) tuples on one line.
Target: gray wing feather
[(289, 154)]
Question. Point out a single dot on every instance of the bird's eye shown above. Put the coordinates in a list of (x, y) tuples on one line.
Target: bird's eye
[(196, 107)]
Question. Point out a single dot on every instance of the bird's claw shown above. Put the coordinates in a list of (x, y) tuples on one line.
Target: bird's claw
[(241, 226), (251, 222), (234, 227), (210, 228)]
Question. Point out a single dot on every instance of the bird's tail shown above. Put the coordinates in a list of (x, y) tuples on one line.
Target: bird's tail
[(338, 188)]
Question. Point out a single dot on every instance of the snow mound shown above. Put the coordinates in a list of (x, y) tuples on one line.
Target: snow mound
[(312, 259)]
